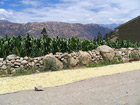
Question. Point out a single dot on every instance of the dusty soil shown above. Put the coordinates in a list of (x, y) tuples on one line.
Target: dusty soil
[(116, 89)]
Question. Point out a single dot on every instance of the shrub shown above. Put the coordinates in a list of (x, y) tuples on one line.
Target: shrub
[(22, 71), (66, 64), (103, 63), (50, 64), (134, 56)]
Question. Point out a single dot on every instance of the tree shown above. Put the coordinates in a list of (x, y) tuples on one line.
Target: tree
[(99, 36), (44, 31), (110, 35)]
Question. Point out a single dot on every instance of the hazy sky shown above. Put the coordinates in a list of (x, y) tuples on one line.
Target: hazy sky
[(72, 11)]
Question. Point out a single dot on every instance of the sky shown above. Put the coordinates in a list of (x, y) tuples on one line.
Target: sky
[(71, 11)]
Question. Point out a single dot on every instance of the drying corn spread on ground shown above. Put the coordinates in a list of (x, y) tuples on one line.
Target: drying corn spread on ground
[(50, 79)]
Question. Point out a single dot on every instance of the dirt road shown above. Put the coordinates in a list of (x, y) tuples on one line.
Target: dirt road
[(117, 89)]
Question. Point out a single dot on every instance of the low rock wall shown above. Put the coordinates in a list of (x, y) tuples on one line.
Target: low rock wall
[(70, 59)]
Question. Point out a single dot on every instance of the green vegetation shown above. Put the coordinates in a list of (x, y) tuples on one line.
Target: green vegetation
[(21, 71), (135, 56), (33, 47), (50, 64), (51, 67), (44, 31), (103, 63)]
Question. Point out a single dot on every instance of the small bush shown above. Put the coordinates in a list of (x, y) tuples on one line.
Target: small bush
[(118, 59), (2, 73), (50, 64), (22, 71), (103, 63), (134, 56), (66, 65)]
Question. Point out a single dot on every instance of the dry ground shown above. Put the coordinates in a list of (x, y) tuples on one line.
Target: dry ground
[(117, 89), (50, 79)]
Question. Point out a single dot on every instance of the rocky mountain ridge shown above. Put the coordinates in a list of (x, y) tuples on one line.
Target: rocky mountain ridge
[(66, 30)]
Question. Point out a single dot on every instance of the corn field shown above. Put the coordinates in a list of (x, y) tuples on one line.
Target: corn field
[(33, 47)]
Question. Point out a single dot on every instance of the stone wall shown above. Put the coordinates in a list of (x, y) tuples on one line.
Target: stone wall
[(70, 60)]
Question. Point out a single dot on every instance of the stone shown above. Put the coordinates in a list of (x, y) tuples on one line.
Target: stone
[(16, 66), (24, 62), (36, 58), (131, 48), (93, 59), (42, 57), (73, 54), (37, 64), (4, 67), (57, 63), (90, 53), (73, 62), (129, 52), (62, 59), (21, 59), (18, 60), (4, 62), (104, 49), (16, 63), (59, 57), (17, 57), (125, 60), (123, 53), (107, 52), (41, 62), (1, 59), (1, 64), (7, 61), (118, 53), (56, 56), (65, 61), (123, 49), (65, 54), (13, 70), (94, 55), (12, 61), (8, 64), (100, 58), (97, 52), (11, 57), (39, 58), (37, 71), (21, 66), (26, 58), (59, 53), (75, 57), (12, 65), (35, 61), (84, 57), (27, 65), (38, 88), (51, 54)]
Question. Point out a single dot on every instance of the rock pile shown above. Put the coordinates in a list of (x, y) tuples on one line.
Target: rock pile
[(60, 60)]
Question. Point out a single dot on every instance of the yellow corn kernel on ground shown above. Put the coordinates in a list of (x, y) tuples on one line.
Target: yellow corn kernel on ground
[(50, 79)]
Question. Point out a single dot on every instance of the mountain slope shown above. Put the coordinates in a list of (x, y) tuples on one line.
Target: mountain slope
[(110, 26), (67, 30)]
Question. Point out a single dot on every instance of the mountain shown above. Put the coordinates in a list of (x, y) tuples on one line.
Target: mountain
[(66, 30), (110, 26)]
